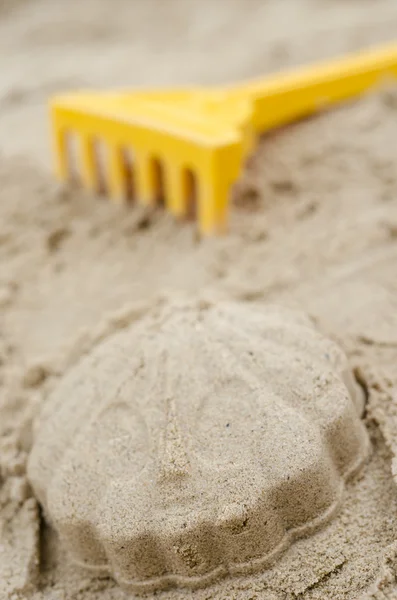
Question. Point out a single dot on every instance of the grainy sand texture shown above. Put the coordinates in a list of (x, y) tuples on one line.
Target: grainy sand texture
[(198, 444), (82, 283)]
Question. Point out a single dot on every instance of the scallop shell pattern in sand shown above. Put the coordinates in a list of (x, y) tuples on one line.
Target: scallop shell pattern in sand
[(198, 443)]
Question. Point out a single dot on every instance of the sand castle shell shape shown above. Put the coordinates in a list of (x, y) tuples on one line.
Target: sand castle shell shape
[(198, 443)]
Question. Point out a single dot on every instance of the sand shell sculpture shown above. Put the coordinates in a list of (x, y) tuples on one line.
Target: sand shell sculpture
[(198, 443)]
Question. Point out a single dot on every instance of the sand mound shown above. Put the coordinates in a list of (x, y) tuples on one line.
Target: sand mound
[(196, 443)]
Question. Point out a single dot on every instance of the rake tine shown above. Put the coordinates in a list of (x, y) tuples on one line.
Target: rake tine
[(88, 164), (174, 190), (144, 183), (117, 178)]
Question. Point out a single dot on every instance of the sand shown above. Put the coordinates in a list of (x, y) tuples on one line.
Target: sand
[(197, 444), (314, 227)]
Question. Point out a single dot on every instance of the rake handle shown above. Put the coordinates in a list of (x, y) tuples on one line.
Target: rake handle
[(282, 98)]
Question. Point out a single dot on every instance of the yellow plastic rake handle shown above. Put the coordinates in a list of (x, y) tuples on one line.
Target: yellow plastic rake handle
[(284, 97)]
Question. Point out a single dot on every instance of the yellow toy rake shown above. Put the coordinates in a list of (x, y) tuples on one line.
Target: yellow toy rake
[(185, 148)]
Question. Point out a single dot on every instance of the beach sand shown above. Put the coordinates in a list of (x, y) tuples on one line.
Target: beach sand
[(313, 227)]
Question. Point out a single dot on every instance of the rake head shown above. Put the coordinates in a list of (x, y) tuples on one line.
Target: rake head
[(183, 149)]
